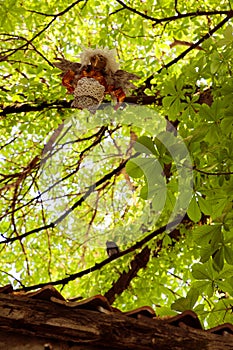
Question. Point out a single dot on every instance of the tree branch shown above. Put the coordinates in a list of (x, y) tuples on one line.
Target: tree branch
[(140, 99), (98, 266), (213, 174), (13, 277), (98, 137), (193, 46), (74, 206), (200, 41), (4, 57), (32, 107), (140, 261), (171, 18)]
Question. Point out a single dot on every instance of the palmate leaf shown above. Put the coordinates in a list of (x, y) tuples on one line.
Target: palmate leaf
[(205, 287), (205, 206), (207, 234), (181, 305)]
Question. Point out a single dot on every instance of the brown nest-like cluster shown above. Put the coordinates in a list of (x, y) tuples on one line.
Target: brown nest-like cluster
[(93, 78)]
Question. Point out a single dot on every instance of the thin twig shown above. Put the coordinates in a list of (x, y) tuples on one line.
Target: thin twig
[(16, 279), (213, 174), (44, 29), (193, 46), (98, 266), (91, 189), (172, 18)]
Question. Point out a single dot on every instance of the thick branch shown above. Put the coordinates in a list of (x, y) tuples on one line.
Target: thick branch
[(140, 261), (32, 107), (38, 320), (205, 97)]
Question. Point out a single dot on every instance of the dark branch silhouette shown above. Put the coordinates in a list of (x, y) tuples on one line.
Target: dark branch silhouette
[(193, 46), (4, 57), (218, 173), (63, 104), (169, 227), (75, 205), (171, 18), (140, 261)]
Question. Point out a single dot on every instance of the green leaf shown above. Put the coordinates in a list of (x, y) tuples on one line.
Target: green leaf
[(192, 296), (168, 100), (170, 88), (144, 192), (199, 308), (144, 144), (208, 234), (193, 211), (205, 287), (218, 259), (225, 286), (200, 133), (189, 302), (215, 62), (205, 206), (228, 252), (202, 271), (134, 168), (181, 305), (206, 252), (159, 200), (206, 113), (227, 272)]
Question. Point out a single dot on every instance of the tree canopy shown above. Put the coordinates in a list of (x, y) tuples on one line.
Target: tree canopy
[(154, 175)]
